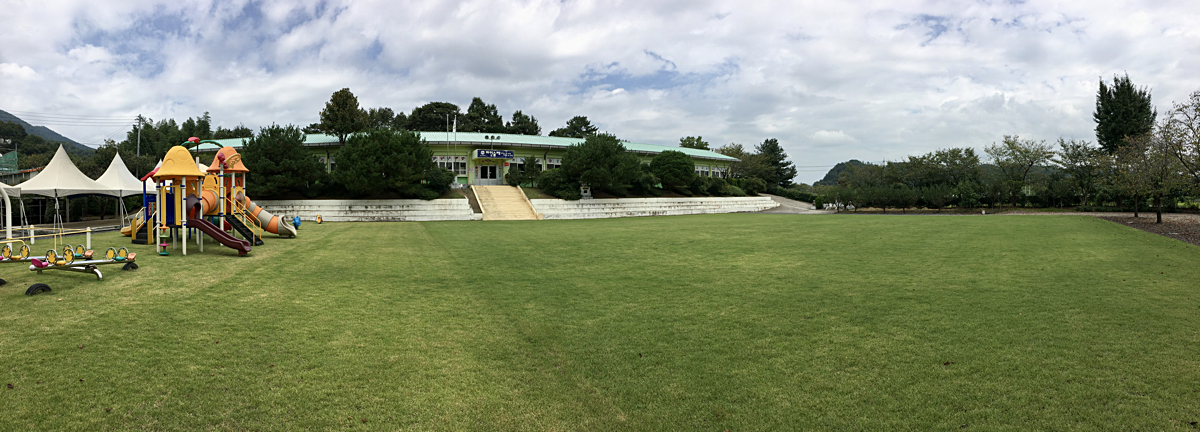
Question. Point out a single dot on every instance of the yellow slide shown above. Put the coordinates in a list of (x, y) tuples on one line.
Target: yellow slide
[(135, 225)]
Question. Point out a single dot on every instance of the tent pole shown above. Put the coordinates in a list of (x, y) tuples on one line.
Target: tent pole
[(7, 215)]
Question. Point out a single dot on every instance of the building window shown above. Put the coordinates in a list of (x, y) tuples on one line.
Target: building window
[(720, 172), (553, 163), (454, 164), (702, 171)]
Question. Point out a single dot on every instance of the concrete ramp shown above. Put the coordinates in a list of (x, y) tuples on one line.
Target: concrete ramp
[(504, 203)]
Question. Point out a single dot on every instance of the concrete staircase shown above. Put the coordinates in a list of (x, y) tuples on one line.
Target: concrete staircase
[(504, 203)]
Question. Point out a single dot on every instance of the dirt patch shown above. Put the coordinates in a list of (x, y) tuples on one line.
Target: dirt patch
[(1182, 229)]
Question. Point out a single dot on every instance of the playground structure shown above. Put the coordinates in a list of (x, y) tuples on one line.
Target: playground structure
[(62, 180), (209, 199), (67, 261)]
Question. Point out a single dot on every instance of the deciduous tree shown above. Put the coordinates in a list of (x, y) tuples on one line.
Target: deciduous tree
[(1181, 133), (1083, 163), (1016, 158)]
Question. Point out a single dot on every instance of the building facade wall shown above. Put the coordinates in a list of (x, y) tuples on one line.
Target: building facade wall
[(449, 154)]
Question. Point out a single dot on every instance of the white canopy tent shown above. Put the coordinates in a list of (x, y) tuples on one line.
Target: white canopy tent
[(118, 179), (61, 179), (8, 192)]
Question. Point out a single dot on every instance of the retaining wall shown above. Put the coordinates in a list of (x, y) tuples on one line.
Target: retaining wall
[(373, 210), (632, 207)]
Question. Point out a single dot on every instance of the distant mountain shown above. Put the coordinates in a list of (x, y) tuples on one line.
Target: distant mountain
[(47, 134), (831, 177)]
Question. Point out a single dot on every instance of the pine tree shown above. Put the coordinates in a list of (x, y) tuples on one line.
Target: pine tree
[(577, 127), (781, 171), (693, 142), (1122, 111), (481, 117), (522, 124), (342, 116)]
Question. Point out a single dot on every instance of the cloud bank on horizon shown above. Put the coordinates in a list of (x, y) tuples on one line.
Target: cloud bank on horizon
[(831, 80)]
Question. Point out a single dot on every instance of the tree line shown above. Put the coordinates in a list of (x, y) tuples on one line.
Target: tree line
[(382, 155), (1139, 161)]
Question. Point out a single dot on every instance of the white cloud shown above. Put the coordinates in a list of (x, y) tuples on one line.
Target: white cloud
[(15, 71), (832, 137), (874, 80)]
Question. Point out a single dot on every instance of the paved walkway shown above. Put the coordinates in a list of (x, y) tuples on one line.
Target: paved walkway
[(790, 206)]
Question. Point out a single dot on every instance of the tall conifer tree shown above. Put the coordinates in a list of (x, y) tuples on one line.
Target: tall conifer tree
[(1122, 110)]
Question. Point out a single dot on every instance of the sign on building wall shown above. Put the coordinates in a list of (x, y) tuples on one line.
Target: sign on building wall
[(494, 154)]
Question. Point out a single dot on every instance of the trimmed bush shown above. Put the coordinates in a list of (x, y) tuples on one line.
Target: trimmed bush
[(556, 183), (673, 168)]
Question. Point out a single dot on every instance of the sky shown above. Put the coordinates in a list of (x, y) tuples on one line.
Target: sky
[(831, 80)]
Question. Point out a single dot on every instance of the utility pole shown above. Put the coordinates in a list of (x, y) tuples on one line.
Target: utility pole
[(137, 163)]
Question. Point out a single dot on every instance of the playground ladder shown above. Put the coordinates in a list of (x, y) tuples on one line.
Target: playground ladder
[(249, 226)]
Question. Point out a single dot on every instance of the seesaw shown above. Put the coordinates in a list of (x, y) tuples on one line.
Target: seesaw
[(9, 255), (67, 261)]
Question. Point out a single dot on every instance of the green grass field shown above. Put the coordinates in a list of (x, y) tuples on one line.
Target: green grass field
[(738, 322)]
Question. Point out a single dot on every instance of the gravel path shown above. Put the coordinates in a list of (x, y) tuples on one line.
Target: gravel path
[(1184, 227)]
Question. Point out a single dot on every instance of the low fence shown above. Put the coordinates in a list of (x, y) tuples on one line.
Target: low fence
[(633, 207), (372, 210)]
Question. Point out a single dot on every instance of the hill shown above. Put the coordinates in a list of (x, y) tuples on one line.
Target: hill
[(831, 177), (48, 134)]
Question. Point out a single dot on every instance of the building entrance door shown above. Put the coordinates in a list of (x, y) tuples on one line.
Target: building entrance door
[(487, 175)]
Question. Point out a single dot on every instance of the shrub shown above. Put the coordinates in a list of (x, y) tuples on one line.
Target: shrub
[(531, 169), (752, 185), (794, 194), (731, 190), (646, 183), (437, 183), (818, 203), (390, 162), (673, 168), (602, 162), (555, 182)]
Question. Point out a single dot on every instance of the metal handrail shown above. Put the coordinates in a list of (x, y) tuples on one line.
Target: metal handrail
[(241, 212)]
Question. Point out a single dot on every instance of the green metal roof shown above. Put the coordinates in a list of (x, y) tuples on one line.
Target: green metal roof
[(507, 140)]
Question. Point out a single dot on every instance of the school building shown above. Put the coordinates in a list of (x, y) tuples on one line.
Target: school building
[(484, 158)]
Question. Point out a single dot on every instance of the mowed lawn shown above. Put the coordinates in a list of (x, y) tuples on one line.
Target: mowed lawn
[(713, 322)]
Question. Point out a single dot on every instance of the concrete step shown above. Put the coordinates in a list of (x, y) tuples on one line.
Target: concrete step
[(504, 203)]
